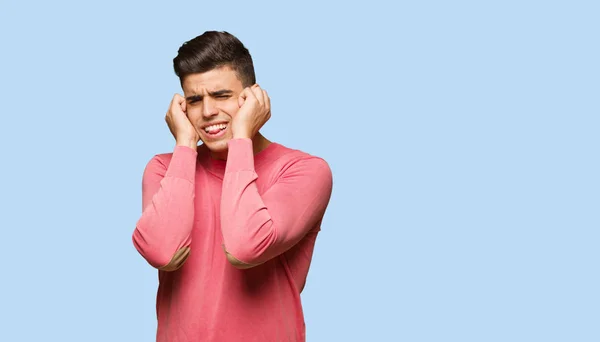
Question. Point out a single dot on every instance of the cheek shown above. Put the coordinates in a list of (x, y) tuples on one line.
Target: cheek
[(230, 107), (194, 114)]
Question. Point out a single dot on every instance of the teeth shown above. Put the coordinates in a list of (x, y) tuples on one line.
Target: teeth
[(215, 127)]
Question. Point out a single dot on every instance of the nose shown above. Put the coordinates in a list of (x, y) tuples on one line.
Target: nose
[(209, 108)]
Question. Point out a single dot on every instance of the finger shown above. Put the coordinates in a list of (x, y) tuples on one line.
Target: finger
[(182, 103), (250, 95), (178, 99), (178, 102), (243, 96), (173, 101), (257, 91), (267, 100)]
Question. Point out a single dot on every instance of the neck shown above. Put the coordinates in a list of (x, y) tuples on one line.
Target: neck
[(259, 143)]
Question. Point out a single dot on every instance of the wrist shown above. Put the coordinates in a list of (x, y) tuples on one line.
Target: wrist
[(241, 136), (189, 143), (240, 131)]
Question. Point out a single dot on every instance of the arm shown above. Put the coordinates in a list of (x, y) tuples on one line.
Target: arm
[(257, 228), (163, 233)]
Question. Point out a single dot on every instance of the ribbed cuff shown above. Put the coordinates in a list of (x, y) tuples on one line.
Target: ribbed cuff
[(183, 163), (240, 155)]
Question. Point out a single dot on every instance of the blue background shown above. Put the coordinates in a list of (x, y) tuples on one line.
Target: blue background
[(463, 138)]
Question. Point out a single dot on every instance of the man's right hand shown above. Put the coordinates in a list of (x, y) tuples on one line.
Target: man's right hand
[(180, 126)]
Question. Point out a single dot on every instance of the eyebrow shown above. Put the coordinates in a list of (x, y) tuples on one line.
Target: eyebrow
[(220, 92)]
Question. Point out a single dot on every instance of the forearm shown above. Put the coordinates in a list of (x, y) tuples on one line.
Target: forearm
[(256, 227), (163, 232)]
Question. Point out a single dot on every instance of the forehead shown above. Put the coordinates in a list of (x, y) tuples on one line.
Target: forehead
[(212, 80)]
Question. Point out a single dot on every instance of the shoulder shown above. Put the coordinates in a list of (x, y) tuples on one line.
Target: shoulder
[(161, 159), (158, 164), (287, 159), (164, 159)]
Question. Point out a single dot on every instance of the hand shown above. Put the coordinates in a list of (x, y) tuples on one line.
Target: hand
[(180, 126), (255, 111)]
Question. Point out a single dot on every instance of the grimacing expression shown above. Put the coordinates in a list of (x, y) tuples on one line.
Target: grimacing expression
[(211, 103)]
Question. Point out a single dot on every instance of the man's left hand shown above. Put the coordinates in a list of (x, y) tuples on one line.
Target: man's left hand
[(254, 112)]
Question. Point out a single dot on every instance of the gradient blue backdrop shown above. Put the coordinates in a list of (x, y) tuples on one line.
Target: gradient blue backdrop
[(463, 138)]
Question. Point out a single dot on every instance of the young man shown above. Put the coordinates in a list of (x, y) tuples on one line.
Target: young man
[(230, 224)]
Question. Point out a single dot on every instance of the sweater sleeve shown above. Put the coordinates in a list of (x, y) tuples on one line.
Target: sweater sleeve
[(259, 227), (167, 218)]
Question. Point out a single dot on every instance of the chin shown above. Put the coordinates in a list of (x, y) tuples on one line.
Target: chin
[(217, 146)]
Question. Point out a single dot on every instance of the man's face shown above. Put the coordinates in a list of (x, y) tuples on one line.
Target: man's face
[(211, 104)]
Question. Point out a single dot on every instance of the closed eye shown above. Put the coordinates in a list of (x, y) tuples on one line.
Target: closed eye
[(194, 99), (221, 94)]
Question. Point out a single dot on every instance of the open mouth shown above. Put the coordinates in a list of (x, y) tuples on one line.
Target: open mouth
[(215, 131)]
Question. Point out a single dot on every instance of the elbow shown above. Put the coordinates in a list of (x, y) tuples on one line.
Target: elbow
[(248, 252), (158, 256), (177, 260), (237, 263), (240, 265)]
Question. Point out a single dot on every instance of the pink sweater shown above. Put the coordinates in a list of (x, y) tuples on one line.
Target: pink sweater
[(263, 209)]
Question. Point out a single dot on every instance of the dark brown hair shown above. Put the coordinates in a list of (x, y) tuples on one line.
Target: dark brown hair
[(212, 50)]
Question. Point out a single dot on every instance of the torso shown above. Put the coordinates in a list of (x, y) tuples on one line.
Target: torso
[(208, 299)]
